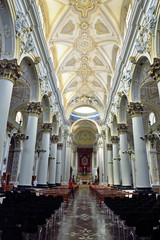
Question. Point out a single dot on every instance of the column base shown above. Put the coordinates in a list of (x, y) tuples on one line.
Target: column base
[(116, 186), (126, 187), (50, 185), (144, 190), (58, 184), (42, 186), (24, 188)]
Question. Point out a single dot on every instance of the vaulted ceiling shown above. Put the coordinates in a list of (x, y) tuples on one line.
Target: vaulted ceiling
[(85, 38)]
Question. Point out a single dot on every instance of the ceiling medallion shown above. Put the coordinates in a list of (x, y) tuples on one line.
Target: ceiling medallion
[(85, 43), (84, 6), (84, 71), (84, 26)]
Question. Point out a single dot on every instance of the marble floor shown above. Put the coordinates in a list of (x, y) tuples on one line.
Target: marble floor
[(84, 219)]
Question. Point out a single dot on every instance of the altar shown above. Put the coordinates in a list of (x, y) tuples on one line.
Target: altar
[(84, 178)]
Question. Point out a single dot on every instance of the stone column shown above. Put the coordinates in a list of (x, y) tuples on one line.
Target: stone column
[(125, 164), (116, 161), (142, 168), (155, 72), (110, 164), (64, 158), (53, 160), (58, 164), (101, 162), (44, 155), (105, 160), (9, 73), (68, 159), (152, 157), (25, 177)]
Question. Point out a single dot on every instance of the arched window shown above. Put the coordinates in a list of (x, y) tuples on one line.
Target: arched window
[(19, 118), (152, 118)]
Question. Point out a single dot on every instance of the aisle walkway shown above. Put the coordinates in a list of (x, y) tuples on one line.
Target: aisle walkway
[(84, 219)]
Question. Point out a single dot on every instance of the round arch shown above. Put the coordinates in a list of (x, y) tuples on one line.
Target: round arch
[(123, 109), (46, 109), (140, 74)]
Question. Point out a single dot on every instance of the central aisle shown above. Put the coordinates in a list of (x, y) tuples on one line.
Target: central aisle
[(84, 219)]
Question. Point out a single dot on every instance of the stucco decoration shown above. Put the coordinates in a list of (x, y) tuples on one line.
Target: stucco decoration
[(26, 41), (20, 23), (143, 42), (85, 136)]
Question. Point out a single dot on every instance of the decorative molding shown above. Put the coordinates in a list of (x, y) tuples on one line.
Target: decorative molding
[(135, 109), (109, 146), (143, 42), (155, 70), (84, 7), (10, 70), (114, 139), (54, 139), (34, 108), (26, 42), (47, 127), (59, 146), (122, 128), (20, 23)]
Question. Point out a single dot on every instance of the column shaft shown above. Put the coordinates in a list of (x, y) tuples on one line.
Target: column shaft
[(110, 164), (116, 167), (52, 165), (43, 162), (27, 162), (58, 164)]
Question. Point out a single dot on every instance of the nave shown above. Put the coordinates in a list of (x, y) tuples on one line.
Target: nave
[(85, 219)]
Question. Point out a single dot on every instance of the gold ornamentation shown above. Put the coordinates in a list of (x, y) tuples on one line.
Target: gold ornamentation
[(109, 146), (71, 62), (68, 28), (155, 70), (84, 71), (85, 43), (59, 146), (114, 139), (9, 69), (122, 128), (34, 108), (135, 109), (84, 25), (85, 137), (100, 28), (47, 127), (97, 61), (84, 59), (54, 139), (84, 6)]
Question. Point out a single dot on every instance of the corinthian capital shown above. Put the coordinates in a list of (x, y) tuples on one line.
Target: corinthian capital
[(155, 70), (9, 69), (135, 109), (54, 139), (114, 139), (122, 128), (34, 108), (47, 127), (59, 146), (109, 146)]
